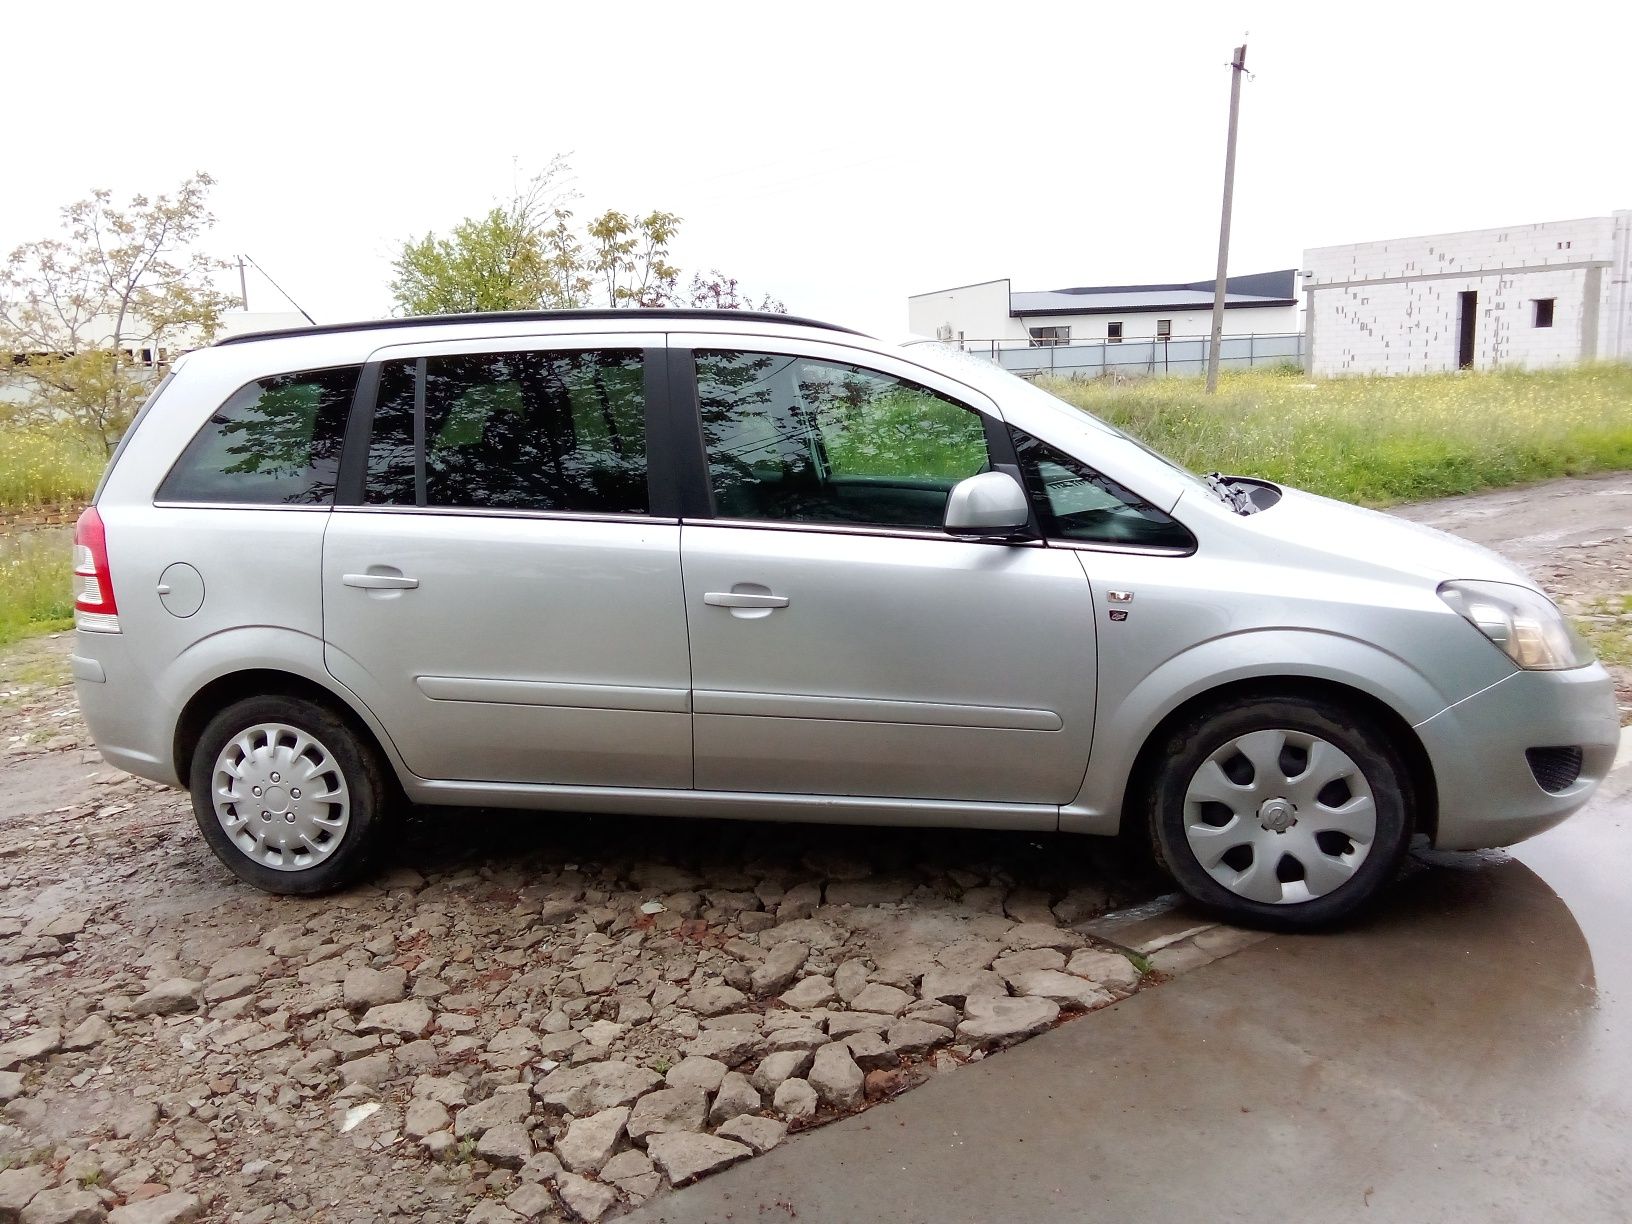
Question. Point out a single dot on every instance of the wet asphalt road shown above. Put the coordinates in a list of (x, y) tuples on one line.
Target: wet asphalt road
[(1466, 1055)]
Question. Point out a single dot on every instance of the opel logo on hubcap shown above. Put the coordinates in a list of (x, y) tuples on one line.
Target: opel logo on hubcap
[(1277, 815)]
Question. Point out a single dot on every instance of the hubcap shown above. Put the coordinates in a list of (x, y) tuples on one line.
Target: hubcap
[(280, 797), (1280, 816)]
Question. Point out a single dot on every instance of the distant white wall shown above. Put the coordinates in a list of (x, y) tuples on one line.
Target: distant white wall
[(16, 390), (1395, 307), (981, 312), (1141, 325)]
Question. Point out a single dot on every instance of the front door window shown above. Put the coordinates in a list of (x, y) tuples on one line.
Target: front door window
[(797, 439)]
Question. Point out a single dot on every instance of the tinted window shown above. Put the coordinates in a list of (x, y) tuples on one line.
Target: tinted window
[(512, 431), (797, 439), (1075, 502), (276, 441)]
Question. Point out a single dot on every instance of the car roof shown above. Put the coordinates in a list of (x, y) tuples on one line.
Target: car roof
[(626, 315)]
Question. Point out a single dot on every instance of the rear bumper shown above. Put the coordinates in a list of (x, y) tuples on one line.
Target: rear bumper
[(1488, 795), (120, 707)]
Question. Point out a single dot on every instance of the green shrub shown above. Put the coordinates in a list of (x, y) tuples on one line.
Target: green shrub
[(35, 577), (47, 466)]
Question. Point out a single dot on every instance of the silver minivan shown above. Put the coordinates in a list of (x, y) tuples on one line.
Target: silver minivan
[(736, 565)]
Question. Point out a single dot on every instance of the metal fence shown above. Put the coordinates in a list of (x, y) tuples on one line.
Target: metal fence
[(1178, 355)]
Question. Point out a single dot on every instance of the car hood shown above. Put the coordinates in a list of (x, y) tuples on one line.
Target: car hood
[(1355, 534)]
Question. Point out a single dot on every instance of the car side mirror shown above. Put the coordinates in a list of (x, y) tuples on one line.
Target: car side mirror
[(990, 506)]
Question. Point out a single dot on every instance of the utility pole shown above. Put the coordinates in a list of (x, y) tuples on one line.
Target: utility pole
[(243, 285), (1237, 67)]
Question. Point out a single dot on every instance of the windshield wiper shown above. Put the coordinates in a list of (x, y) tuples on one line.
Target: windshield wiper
[(1236, 499)]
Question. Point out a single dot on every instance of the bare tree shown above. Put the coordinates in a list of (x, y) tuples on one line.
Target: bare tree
[(78, 313)]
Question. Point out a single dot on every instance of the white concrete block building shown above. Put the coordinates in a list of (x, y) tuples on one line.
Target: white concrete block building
[(1549, 294), (991, 315)]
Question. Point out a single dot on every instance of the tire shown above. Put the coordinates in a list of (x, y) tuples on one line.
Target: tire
[(304, 840), (1302, 833)]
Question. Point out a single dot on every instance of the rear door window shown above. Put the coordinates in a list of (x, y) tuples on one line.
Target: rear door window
[(276, 441), (525, 430)]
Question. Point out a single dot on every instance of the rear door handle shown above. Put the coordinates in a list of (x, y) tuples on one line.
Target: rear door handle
[(743, 599), (380, 582)]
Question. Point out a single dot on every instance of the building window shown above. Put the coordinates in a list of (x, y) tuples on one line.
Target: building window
[(1048, 337), (1164, 329), (1544, 311), (1113, 333)]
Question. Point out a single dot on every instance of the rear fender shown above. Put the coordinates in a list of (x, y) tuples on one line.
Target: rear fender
[(264, 648)]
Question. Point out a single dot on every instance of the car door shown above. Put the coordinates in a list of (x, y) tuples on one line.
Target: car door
[(841, 642), (496, 585)]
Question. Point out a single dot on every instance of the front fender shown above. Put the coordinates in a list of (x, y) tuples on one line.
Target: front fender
[(1121, 729)]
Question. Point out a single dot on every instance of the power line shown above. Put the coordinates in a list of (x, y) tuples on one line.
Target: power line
[(279, 288)]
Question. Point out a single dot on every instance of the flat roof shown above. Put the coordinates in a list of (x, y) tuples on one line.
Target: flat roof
[(1253, 289)]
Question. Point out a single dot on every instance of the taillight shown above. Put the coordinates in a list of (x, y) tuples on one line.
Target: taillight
[(94, 608)]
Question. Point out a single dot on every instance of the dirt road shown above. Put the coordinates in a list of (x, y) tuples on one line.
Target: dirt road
[(1574, 536)]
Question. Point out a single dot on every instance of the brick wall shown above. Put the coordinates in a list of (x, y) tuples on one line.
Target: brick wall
[(31, 518), (1394, 307)]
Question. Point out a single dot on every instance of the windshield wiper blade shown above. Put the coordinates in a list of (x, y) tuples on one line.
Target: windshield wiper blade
[(1236, 499)]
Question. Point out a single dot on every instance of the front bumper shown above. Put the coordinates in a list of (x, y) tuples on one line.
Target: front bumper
[(1488, 795)]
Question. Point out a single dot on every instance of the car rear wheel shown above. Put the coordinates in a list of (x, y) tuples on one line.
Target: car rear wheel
[(1286, 812), (287, 794)]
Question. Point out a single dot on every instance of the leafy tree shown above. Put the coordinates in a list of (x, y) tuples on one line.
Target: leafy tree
[(530, 255), (518, 257), (630, 257), (76, 311)]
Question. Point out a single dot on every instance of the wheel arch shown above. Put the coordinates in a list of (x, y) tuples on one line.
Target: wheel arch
[(1424, 796), (223, 690)]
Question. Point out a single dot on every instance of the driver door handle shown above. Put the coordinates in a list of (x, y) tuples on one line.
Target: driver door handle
[(380, 582), (743, 599)]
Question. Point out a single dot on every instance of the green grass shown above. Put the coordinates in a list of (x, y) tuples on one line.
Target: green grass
[(34, 584), (46, 467), (1606, 622), (1379, 440)]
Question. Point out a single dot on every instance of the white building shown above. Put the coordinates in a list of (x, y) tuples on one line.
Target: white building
[(990, 315), (153, 358), (1549, 294)]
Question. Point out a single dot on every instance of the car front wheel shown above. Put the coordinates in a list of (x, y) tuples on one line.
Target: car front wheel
[(286, 794), (1286, 811)]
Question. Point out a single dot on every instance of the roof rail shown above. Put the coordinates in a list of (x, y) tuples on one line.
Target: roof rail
[(535, 316)]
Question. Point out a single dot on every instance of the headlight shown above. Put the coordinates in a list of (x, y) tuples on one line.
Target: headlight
[(1525, 626)]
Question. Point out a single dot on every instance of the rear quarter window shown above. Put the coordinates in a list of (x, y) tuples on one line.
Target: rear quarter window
[(275, 441)]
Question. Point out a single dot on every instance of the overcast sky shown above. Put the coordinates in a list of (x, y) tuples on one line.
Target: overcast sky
[(839, 155)]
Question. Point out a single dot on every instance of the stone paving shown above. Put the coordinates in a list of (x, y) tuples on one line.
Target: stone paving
[(521, 1017)]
